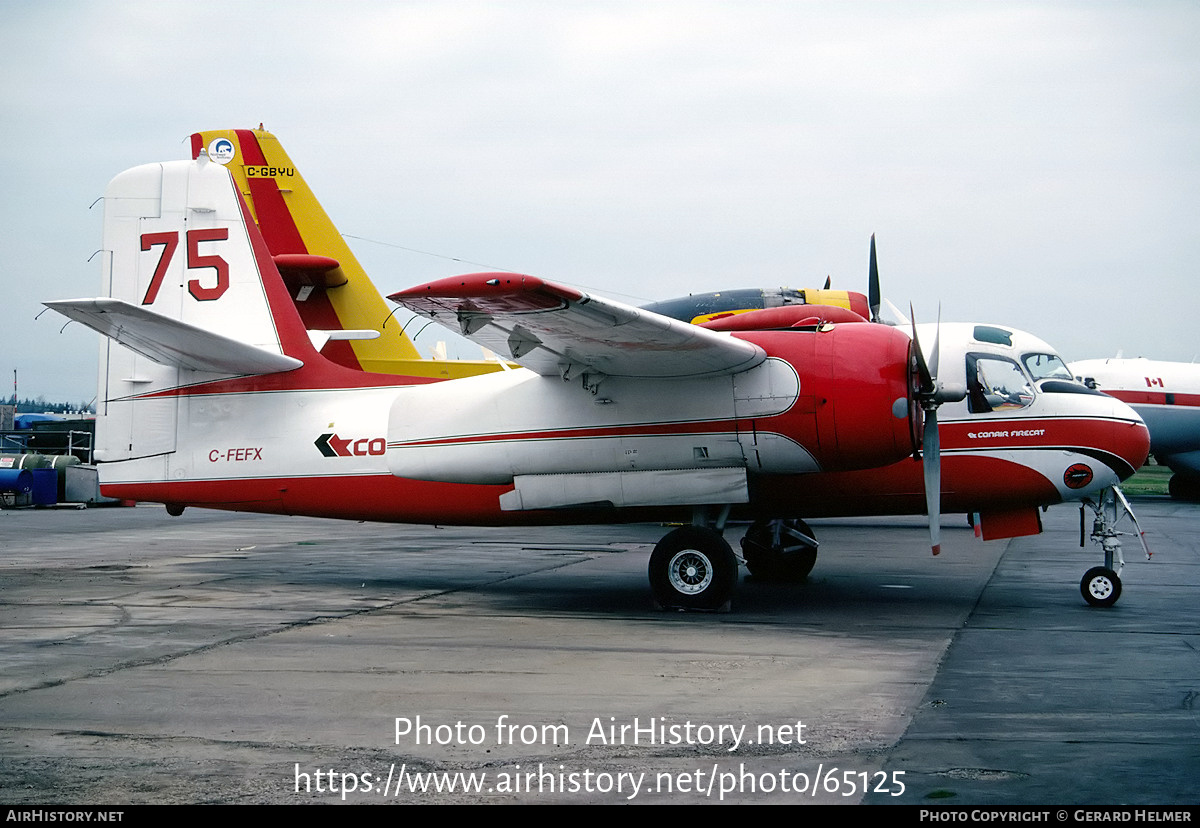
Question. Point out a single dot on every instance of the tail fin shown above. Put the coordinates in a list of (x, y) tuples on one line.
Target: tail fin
[(193, 295), (328, 285)]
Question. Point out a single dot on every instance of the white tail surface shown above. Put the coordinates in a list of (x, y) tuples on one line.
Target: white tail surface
[(185, 297)]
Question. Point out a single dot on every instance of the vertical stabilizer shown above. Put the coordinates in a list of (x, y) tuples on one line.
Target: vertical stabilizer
[(187, 299), (330, 290)]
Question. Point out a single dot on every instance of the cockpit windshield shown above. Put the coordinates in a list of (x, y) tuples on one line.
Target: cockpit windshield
[(1046, 366), (995, 383)]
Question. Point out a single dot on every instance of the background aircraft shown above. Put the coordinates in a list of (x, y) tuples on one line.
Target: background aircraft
[(1167, 396), (223, 401)]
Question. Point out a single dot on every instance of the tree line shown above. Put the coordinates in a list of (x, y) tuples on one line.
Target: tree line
[(39, 405)]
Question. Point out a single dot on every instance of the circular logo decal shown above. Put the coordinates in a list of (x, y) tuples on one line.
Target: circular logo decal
[(1077, 476), (221, 150)]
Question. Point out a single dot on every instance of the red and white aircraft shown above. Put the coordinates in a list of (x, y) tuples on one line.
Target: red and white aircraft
[(214, 395), (1167, 397)]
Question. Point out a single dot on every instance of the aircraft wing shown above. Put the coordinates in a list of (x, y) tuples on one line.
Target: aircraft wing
[(169, 341), (559, 331)]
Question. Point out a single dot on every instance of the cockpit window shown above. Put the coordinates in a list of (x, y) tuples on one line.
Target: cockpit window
[(996, 336), (995, 384), (1046, 366)]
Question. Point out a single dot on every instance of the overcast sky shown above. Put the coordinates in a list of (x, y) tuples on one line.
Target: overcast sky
[(1035, 164)]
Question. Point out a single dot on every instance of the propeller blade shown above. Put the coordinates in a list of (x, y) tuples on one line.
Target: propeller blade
[(937, 341), (894, 312), (932, 455), (931, 392), (922, 366), (828, 282), (873, 284)]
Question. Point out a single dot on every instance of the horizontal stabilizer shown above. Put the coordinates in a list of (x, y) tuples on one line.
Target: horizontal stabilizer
[(170, 341), (320, 339)]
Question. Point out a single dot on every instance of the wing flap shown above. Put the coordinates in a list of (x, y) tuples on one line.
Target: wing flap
[(172, 342), (556, 330)]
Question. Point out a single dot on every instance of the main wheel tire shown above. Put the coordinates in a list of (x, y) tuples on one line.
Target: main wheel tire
[(766, 560), (1183, 488), (1100, 587), (693, 568)]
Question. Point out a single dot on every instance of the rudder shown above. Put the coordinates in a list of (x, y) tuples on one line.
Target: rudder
[(330, 289)]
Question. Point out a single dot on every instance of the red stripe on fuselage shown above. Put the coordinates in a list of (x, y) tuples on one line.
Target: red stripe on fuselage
[(1167, 398), (351, 497), (1032, 432), (991, 435), (703, 427), (969, 483)]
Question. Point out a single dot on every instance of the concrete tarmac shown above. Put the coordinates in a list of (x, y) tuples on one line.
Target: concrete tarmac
[(225, 658)]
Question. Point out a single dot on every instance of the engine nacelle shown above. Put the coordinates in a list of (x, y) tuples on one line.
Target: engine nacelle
[(856, 407)]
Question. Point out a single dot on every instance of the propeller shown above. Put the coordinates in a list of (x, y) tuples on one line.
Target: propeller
[(930, 395), (931, 454), (873, 284)]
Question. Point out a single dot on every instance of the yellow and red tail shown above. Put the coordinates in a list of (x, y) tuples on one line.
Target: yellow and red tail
[(327, 284)]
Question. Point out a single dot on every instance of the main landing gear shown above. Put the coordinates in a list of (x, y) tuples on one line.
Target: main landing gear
[(694, 568), (1101, 585), (1184, 487), (780, 550)]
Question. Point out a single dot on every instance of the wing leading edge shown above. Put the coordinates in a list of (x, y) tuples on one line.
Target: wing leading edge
[(555, 330)]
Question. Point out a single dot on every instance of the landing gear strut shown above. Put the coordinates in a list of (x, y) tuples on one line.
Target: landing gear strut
[(780, 550), (1101, 585)]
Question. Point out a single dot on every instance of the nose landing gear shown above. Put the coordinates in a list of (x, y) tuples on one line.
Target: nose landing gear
[(1101, 585)]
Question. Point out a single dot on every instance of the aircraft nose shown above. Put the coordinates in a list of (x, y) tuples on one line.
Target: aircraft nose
[(1131, 439)]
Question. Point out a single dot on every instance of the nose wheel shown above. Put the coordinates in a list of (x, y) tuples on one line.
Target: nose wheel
[(1100, 587)]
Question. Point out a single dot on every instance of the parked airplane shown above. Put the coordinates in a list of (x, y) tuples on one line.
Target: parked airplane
[(1167, 396), (221, 399)]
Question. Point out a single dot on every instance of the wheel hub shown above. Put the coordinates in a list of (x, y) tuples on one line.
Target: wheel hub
[(1100, 587), (690, 572)]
